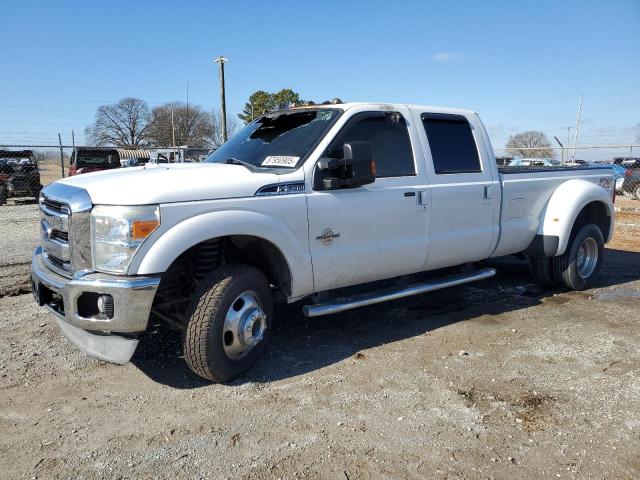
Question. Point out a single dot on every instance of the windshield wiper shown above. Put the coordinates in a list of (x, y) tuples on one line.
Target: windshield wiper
[(235, 161)]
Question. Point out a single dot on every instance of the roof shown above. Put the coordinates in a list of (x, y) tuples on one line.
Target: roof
[(348, 105), (16, 154)]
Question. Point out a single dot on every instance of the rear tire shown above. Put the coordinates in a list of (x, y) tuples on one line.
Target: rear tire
[(228, 322), (636, 192), (579, 266), (542, 271)]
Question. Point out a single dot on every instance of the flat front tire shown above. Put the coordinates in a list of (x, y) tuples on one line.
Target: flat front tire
[(228, 322), (579, 266)]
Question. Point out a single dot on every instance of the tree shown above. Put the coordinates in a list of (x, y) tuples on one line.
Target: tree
[(232, 126), (262, 102), (191, 125), (122, 124), (284, 98), (259, 103), (531, 144)]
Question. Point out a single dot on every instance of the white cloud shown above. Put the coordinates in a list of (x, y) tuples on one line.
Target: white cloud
[(443, 57)]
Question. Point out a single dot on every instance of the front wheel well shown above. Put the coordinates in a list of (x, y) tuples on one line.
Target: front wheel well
[(179, 282)]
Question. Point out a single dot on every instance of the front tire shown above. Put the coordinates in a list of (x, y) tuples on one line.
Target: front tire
[(636, 192), (228, 322), (579, 266)]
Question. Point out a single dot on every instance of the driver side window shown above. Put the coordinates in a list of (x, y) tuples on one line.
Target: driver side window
[(388, 136)]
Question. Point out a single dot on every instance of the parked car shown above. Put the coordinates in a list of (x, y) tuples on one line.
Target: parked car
[(631, 183), (619, 173), (21, 175), (304, 204), (5, 173), (532, 162), (95, 159)]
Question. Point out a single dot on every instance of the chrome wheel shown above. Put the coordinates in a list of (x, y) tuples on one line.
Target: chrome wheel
[(587, 258), (244, 325)]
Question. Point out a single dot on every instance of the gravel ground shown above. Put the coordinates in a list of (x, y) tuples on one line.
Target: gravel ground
[(19, 232), (498, 379)]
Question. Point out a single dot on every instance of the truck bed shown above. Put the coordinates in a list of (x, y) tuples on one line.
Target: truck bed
[(525, 194)]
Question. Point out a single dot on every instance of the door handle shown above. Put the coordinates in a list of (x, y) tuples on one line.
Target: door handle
[(488, 194), (422, 197)]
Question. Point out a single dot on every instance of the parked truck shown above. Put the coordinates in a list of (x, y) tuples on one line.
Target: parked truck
[(317, 203)]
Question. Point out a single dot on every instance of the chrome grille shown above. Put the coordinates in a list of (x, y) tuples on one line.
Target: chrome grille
[(55, 205), (55, 234)]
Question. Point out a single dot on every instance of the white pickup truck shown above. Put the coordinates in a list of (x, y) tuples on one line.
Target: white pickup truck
[(302, 204)]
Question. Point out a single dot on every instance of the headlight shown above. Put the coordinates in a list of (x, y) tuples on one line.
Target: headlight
[(118, 232)]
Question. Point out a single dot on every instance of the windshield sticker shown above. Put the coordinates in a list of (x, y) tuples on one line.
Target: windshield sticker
[(280, 161)]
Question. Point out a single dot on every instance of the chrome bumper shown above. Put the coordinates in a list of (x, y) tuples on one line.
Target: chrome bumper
[(132, 300)]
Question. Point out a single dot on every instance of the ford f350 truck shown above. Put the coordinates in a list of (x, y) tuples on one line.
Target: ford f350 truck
[(304, 204)]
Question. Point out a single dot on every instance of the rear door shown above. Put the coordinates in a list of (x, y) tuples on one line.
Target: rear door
[(375, 231), (464, 195)]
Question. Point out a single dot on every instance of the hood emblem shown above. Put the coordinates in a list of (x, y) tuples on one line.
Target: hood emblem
[(327, 236)]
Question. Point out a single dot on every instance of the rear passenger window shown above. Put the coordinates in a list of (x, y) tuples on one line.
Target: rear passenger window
[(389, 138), (453, 148)]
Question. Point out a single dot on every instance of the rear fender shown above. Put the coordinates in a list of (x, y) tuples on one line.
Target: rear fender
[(565, 205)]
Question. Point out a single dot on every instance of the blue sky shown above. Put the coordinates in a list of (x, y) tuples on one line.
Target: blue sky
[(521, 65)]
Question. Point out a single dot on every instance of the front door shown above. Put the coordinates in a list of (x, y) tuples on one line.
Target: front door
[(375, 231)]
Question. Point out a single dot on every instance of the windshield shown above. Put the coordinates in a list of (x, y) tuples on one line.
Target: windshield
[(277, 140)]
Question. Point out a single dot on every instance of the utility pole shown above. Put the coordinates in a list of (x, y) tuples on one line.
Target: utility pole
[(188, 126), (575, 139), (173, 127), (61, 155), (223, 107), (568, 142)]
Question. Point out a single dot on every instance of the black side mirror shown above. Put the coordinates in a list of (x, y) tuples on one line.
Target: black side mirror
[(355, 168)]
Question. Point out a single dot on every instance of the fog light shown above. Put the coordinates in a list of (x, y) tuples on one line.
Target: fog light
[(105, 305)]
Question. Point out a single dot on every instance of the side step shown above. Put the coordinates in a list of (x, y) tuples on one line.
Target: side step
[(348, 303)]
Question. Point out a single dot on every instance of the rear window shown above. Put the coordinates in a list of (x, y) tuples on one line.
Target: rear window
[(453, 148)]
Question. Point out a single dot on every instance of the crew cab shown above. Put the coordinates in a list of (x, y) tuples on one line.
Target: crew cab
[(319, 203)]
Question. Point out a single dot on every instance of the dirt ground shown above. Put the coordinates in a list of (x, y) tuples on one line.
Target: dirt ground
[(498, 379)]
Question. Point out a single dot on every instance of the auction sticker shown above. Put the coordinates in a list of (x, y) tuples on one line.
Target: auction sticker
[(280, 161)]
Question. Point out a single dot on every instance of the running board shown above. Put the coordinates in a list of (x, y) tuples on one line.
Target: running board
[(348, 303)]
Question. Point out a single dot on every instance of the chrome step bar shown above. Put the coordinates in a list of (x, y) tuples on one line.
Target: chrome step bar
[(348, 303)]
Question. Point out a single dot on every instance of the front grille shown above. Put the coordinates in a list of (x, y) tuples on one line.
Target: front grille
[(55, 205), (56, 262), (60, 235), (55, 217)]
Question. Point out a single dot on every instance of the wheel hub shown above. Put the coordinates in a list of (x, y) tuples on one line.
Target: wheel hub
[(587, 258), (244, 325)]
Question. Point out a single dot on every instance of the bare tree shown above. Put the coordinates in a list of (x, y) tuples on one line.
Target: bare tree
[(531, 144), (191, 125), (232, 126), (123, 124)]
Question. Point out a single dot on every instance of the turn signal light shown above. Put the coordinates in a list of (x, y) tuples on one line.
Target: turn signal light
[(141, 229)]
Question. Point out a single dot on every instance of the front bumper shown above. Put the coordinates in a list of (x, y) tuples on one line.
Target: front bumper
[(97, 335)]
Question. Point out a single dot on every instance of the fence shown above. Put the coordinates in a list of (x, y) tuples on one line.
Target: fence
[(25, 169)]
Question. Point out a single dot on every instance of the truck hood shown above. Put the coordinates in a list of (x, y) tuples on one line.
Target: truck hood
[(179, 182)]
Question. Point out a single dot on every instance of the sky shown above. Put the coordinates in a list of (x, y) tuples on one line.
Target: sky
[(520, 65)]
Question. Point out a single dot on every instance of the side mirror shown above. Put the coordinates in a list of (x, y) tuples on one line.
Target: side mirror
[(355, 168)]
